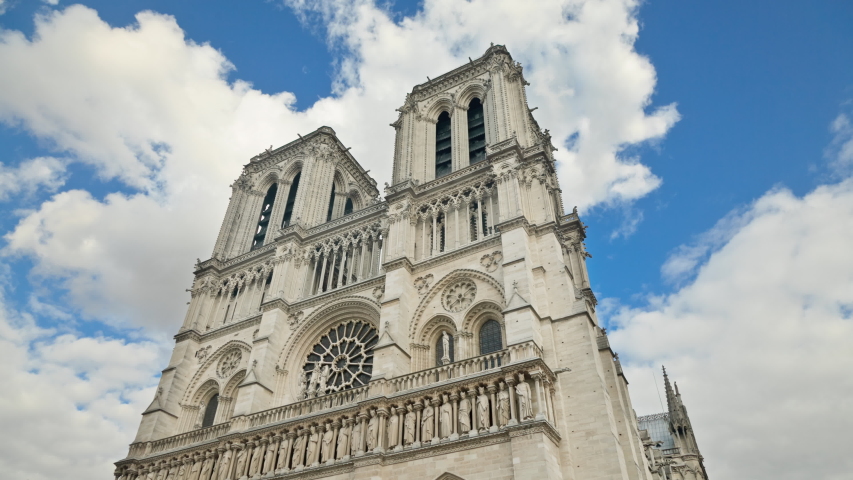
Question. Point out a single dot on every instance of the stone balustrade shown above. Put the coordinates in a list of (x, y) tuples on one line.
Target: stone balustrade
[(480, 396)]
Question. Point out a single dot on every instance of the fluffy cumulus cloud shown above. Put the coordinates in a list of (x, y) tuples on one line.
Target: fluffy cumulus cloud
[(761, 338), (28, 176), (70, 403)]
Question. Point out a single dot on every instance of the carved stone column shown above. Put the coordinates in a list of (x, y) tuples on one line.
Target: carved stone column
[(454, 422), (436, 416), (401, 412), (540, 401), (383, 435), (418, 408), (510, 382), (494, 408), (472, 395), (362, 419)]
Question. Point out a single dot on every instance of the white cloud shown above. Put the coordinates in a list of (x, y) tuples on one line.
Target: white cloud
[(761, 342), (41, 172), (840, 151), (70, 405), (149, 107)]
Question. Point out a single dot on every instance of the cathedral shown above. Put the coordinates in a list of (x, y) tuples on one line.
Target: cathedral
[(445, 331)]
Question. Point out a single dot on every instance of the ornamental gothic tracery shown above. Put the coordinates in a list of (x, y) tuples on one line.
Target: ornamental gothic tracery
[(459, 296), (341, 359)]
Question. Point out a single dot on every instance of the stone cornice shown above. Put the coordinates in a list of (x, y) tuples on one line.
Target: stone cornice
[(486, 243), (219, 332), (460, 74)]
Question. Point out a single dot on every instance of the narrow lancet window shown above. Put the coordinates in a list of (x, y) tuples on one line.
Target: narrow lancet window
[(210, 411), (264, 219), (348, 207), (443, 150), (291, 199), (476, 132), (331, 204)]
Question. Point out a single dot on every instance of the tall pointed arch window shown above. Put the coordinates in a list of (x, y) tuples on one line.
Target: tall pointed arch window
[(210, 411), (490, 337), (443, 146), (291, 200), (348, 207), (476, 132), (331, 204), (264, 218)]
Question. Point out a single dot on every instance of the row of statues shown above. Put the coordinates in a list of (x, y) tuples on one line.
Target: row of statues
[(448, 416)]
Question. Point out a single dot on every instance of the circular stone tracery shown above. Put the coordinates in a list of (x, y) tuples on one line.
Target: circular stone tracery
[(347, 351), (229, 363), (459, 296)]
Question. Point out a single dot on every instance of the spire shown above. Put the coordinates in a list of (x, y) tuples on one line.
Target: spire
[(670, 395)]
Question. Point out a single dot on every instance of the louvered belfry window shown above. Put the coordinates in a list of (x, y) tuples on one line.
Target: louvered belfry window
[(264, 219), (291, 200), (476, 132), (443, 149)]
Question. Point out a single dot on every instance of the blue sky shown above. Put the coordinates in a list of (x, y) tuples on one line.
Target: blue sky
[(743, 107)]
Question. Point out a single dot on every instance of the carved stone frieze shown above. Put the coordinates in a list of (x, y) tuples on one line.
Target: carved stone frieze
[(422, 283)]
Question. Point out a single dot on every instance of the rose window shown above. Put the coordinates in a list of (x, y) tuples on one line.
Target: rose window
[(342, 359), (229, 363), (459, 296)]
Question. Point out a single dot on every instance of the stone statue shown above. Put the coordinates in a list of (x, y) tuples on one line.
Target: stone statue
[(182, 471), (162, 473), (483, 410), (312, 445), (282, 455), (257, 456), (409, 427), (393, 429), (445, 346), (298, 451), (152, 473), (302, 387), (343, 436), (269, 458), (445, 418), (321, 382), (464, 414), (224, 465), (193, 472), (355, 442), (327, 451), (427, 422), (206, 467), (241, 462), (172, 472), (525, 408), (503, 406), (312, 384), (372, 430)]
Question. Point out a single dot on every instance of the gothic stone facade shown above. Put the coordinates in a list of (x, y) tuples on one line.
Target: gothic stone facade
[(446, 331)]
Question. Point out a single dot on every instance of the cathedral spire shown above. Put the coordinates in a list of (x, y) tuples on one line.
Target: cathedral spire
[(671, 403)]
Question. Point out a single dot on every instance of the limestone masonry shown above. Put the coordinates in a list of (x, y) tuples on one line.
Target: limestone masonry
[(447, 331)]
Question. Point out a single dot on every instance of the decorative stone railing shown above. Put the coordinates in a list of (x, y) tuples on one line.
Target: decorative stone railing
[(311, 405), (177, 441), (465, 367), (336, 429)]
